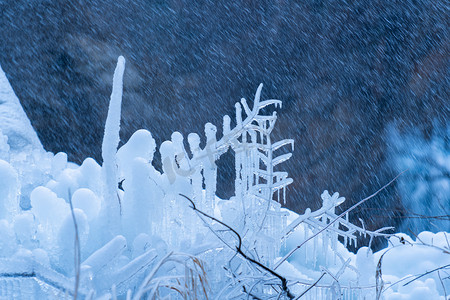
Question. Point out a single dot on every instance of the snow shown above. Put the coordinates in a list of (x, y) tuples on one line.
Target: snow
[(144, 234)]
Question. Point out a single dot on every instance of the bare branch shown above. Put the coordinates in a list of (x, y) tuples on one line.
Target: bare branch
[(426, 273)]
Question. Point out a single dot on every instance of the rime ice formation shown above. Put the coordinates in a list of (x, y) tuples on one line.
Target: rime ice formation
[(138, 237)]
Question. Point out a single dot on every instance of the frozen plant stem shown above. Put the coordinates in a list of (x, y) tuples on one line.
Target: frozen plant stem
[(109, 148)]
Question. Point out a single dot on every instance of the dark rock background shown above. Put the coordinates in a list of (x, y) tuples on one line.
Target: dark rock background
[(344, 70)]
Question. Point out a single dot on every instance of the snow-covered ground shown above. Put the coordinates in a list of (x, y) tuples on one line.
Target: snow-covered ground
[(123, 229)]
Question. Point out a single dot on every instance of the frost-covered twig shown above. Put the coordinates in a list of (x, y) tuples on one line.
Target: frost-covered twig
[(334, 221), (442, 283), (426, 273)]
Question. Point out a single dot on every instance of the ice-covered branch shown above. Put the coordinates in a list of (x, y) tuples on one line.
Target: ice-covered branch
[(334, 221)]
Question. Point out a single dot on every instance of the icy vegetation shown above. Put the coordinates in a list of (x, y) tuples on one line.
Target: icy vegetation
[(127, 230)]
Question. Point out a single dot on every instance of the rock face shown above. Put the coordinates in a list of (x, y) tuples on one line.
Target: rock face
[(343, 70), (15, 128)]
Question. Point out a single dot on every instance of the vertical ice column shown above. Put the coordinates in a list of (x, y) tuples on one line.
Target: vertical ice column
[(226, 125), (239, 190), (254, 158), (168, 179), (66, 250), (182, 165), (238, 115), (137, 202), (196, 176), (181, 157), (109, 149), (141, 182), (269, 190), (176, 214), (210, 168), (245, 162)]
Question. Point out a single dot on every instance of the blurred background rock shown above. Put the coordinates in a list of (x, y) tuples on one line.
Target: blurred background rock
[(345, 70)]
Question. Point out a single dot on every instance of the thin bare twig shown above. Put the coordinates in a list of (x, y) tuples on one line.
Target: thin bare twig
[(239, 249), (426, 273), (379, 278), (312, 285), (442, 283)]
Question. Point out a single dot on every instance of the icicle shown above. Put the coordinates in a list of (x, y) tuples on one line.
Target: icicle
[(210, 168), (181, 157), (254, 158), (196, 176), (278, 192), (315, 250), (238, 168), (245, 162)]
